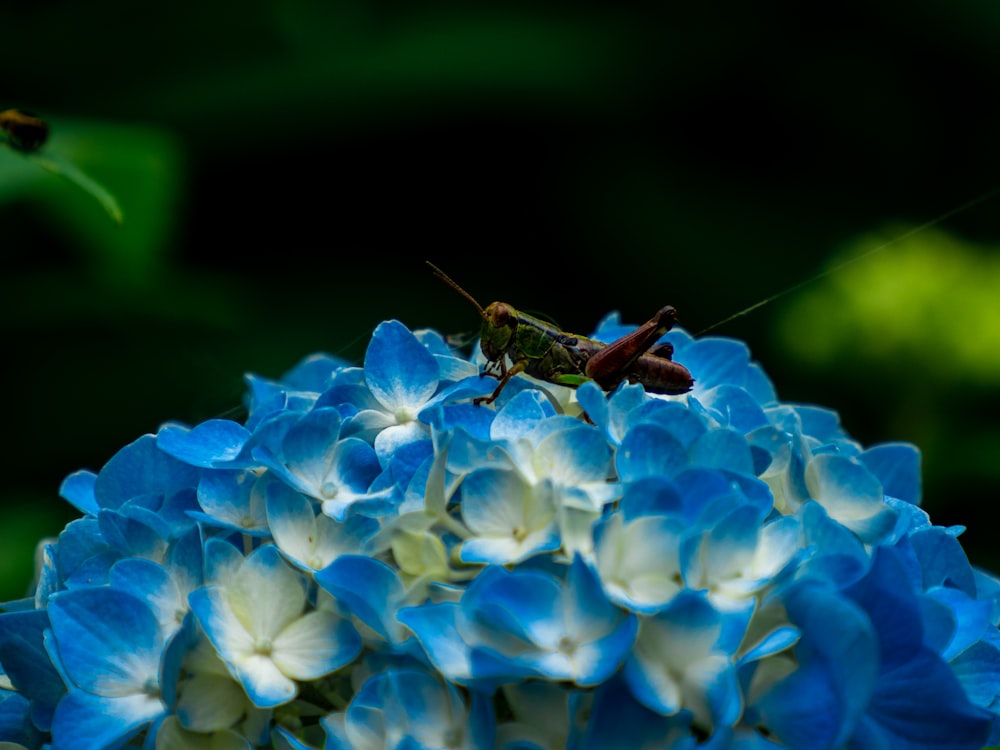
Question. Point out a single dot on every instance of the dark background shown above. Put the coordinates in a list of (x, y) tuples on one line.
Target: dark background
[(285, 167)]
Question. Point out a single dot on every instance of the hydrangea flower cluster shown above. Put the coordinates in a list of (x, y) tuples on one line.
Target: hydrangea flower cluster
[(373, 561)]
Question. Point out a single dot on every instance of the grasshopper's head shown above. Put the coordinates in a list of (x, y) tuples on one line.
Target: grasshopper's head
[(499, 327), (499, 321)]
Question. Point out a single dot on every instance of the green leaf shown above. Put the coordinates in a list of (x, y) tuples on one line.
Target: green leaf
[(59, 165), (131, 170)]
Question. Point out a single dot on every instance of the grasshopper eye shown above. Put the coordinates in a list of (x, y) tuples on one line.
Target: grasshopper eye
[(500, 315), (25, 132)]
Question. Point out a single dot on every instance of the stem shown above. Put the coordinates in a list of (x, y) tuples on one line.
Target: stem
[(455, 526)]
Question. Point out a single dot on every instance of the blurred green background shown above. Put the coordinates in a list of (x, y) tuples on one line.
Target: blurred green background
[(285, 166)]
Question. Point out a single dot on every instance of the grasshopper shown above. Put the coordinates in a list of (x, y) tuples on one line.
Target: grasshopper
[(538, 349)]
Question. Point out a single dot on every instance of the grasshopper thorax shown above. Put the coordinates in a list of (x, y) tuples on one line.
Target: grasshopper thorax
[(499, 328)]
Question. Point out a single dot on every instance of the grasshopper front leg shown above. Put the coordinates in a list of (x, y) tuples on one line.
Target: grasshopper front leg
[(504, 378), (611, 365)]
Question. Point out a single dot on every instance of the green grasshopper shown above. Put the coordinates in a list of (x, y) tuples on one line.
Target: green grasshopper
[(538, 349)]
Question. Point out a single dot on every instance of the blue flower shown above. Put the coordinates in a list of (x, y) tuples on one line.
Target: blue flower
[(211, 700), (257, 622), (415, 705), (682, 661), (639, 561), (217, 443), (400, 379), (531, 624), (370, 590), (110, 648), (542, 714), (233, 499), (310, 541), (314, 460), (374, 560)]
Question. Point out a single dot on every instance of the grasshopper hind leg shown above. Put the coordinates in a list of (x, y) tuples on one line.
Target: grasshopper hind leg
[(663, 351)]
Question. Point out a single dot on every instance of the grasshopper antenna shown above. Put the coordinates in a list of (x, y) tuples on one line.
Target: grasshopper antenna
[(450, 282), (878, 248)]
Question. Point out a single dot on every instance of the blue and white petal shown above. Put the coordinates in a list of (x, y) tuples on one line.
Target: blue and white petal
[(258, 627), (400, 372), (639, 562), (850, 494), (109, 645), (217, 443), (677, 663), (308, 540), (510, 518)]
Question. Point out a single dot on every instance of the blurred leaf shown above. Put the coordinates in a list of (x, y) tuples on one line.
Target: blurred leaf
[(907, 341), (56, 164), (928, 308), (140, 165)]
